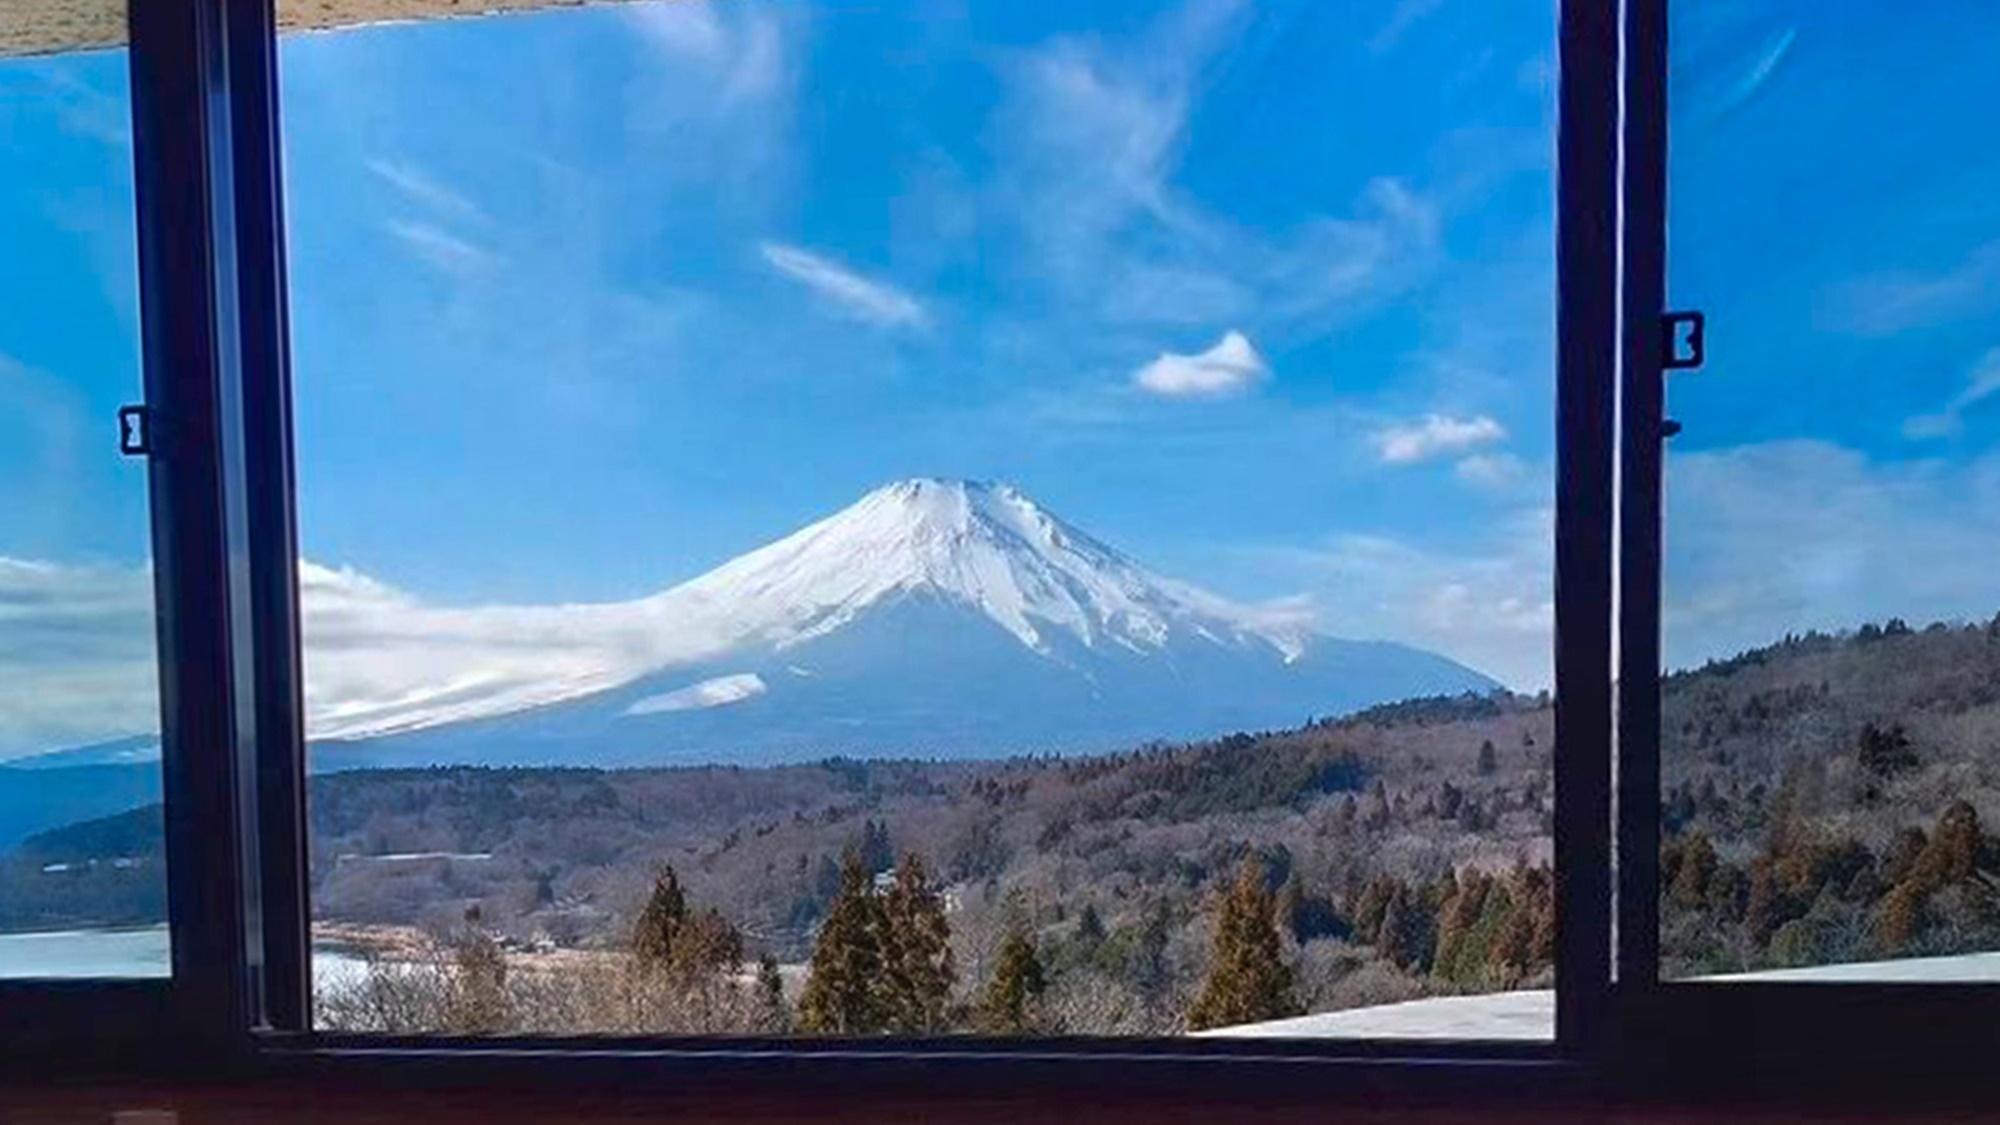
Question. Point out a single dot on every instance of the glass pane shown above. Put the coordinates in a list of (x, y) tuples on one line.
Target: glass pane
[(738, 472), (82, 882), (1832, 781)]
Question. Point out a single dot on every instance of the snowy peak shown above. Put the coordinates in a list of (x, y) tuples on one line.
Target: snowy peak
[(982, 545)]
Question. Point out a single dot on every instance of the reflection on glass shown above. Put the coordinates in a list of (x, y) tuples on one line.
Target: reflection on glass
[(741, 466), (1832, 780), (82, 884)]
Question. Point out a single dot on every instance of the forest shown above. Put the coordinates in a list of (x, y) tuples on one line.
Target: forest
[(1826, 799)]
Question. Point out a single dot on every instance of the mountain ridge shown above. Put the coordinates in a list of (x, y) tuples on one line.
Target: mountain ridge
[(932, 615)]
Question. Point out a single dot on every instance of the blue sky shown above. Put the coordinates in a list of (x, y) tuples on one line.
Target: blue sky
[(1260, 291)]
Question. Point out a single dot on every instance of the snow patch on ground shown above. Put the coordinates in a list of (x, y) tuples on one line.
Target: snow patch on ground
[(1532, 1014)]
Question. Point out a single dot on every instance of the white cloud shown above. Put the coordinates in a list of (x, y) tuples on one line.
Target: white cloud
[(1091, 137), (1491, 470), (1437, 435), (1982, 384), (1490, 604), (872, 301), (717, 692), (76, 655), (1761, 540), (744, 58), (1231, 367), (1893, 301), (441, 249), (1404, 16), (1759, 72), (426, 191), (1796, 535), (1342, 266)]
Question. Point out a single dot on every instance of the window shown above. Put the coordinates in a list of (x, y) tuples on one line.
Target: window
[(82, 878), (739, 482), (714, 612), (1830, 607)]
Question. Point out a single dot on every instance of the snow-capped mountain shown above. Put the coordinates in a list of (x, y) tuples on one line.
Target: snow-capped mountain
[(983, 546), (931, 617)]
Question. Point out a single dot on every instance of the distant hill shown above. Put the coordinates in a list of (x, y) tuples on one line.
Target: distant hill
[(1805, 781), (37, 799)]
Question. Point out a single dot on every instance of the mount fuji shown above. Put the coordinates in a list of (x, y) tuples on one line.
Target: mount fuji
[(932, 618)]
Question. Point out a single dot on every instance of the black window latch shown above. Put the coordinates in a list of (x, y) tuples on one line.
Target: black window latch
[(1683, 341), (135, 431)]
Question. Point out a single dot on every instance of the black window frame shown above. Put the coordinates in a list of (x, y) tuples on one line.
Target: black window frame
[(1855, 1037), (216, 351)]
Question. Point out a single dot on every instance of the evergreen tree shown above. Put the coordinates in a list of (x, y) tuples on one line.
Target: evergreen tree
[(1408, 931), (1090, 931), (918, 961), (661, 922), (1489, 759), (843, 993), (774, 1016), (1248, 980), (1007, 1005), (877, 855), (479, 999), (682, 944)]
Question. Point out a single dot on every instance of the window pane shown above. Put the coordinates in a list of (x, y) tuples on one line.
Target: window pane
[(738, 469), (1834, 504), (82, 883)]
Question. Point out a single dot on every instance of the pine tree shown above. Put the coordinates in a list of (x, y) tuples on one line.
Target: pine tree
[(843, 993), (917, 953), (661, 922), (1408, 932), (774, 1016), (680, 943), (478, 1001), (1007, 1005), (1489, 759), (1090, 931), (1248, 980)]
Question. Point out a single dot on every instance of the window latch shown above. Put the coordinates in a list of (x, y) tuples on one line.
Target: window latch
[(135, 431), (1683, 347), (1683, 341)]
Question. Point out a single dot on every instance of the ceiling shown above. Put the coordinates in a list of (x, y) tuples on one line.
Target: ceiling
[(45, 27)]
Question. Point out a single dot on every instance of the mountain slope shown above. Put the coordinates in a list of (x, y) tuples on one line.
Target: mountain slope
[(931, 617)]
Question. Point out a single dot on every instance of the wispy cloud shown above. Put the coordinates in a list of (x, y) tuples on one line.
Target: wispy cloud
[(1231, 367), (1983, 383), (1381, 250), (745, 58), (76, 655), (1489, 603), (1760, 71), (872, 301), (426, 190), (441, 249), (1435, 435), (1404, 16), (1491, 470), (1092, 137), (1894, 301), (84, 109), (1795, 535)]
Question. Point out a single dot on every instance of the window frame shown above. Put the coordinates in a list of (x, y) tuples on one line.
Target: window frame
[(1842, 1037), (216, 352)]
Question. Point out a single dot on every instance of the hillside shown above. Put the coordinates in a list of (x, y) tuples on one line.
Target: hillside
[(1825, 800)]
